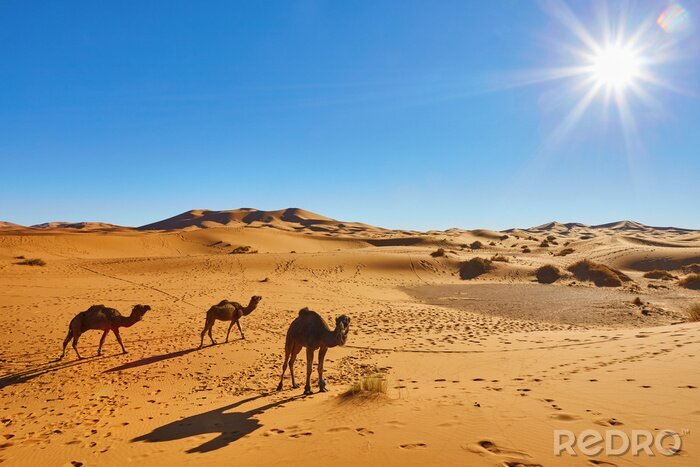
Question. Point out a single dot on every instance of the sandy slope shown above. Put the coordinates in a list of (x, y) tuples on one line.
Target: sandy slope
[(480, 372)]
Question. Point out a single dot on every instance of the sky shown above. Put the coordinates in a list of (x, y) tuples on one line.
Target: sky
[(401, 114)]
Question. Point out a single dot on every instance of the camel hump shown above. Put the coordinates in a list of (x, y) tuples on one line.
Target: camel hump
[(222, 303), (305, 311), (96, 308)]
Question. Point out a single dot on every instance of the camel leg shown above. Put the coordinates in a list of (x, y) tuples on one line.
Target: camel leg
[(102, 341), (240, 330), (65, 343), (284, 368), (119, 338), (210, 326), (293, 357), (75, 345), (309, 368), (229, 331), (321, 381), (204, 332)]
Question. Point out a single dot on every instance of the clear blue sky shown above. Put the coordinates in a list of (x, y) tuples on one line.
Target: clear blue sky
[(406, 114)]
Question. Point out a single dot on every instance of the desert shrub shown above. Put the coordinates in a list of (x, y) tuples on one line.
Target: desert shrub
[(600, 274), (660, 274), (526, 249), (694, 313), (547, 274), (544, 244), (376, 384), (241, 250), (565, 251), (690, 282), (500, 258), (504, 237), (637, 301), (438, 252), (492, 243), (474, 267), (33, 262), (551, 238), (476, 245)]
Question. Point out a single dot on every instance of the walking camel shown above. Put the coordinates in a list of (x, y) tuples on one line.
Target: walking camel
[(311, 331), (228, 311), (102, 318)]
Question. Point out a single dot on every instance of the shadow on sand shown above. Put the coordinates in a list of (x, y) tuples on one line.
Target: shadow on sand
[(49, 367), (231, 426), (149, 360)]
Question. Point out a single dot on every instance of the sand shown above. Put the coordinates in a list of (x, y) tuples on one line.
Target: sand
[(479, 372)]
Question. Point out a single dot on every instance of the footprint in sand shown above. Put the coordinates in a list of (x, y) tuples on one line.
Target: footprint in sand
[(597, 462), (414, 446), (364, 431), (608, 422), (299, 435), (565, 417)]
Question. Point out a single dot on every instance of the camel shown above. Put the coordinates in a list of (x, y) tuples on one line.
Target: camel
[(228, 311), (311, 331), (102, 318)]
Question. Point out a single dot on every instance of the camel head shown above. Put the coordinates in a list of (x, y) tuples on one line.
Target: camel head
[(254, 300), (139, 310), (342, 327)]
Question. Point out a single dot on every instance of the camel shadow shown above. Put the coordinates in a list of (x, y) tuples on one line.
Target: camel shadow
[(49, 367), (231, 426), (149, 360)]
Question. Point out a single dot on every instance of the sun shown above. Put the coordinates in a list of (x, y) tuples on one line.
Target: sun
[(616, 67)]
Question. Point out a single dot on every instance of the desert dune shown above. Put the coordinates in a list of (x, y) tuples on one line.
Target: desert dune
[(476, 372)]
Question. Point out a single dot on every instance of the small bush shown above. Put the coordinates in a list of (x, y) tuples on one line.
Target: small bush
[(526, 249), (33, 262), (476, 245), (242, 250), (439, 252), (376, 384), (600, 274), (500, 258), (637, 301), (504, 237), (492, 243), (694, 313), (565, 251), (544, 244), (551, 238), (690, 282), (660, 274), (474, 268), (547, 274)]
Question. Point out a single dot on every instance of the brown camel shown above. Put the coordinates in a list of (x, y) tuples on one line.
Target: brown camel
[(102, 318), (311, 331), (228, 311)]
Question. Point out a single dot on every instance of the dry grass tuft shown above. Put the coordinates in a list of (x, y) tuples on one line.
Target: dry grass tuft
[(660, 274), (526, 249), (694, 313), (242, 250), (690, 282), (600, 274), (565, 251), (544, 244), (547, 274), (637, 301), (439, 252), (372, 384), (33, 262), (476, 245), (500, 258), (474, 268)]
